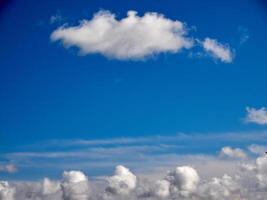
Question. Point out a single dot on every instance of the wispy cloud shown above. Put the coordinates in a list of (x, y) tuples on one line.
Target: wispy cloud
[(157, 152), (177, 139), (244, 34), (218, 50), (56, 18), (9, 168)]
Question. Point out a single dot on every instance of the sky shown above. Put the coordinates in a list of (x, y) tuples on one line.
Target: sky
[(94, 84)]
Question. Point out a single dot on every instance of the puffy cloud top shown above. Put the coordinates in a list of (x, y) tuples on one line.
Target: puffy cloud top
[(122, 182), (74, 177), (75, 186), (184, 180), (133, 37)]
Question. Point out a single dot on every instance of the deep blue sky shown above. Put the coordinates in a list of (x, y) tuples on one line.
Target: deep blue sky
[(48, 92)]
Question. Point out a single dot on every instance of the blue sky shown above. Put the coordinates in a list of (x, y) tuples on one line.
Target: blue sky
[(49, 92)]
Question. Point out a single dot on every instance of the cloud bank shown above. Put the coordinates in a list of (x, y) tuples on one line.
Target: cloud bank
[(134, 37), (184, 182)]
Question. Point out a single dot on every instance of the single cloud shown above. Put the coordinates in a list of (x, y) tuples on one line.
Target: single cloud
[(183, 180), (133, 37), (9, 168), (75, 186), (232, 153), (257, 149), (218, 50), (257, 116), (122, 182)]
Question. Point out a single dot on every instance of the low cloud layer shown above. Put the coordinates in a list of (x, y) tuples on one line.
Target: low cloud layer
[(134, 37), (257, 116), (183, 182)]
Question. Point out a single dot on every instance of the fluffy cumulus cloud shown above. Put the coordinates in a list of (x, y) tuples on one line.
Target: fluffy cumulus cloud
[(183, 180), (122, 182), (133, 37), (75, 186), (218, 50), (232, 153), (257, 116)]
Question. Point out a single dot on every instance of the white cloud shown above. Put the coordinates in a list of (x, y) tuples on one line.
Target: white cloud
[(122, 182), (223, 188), (162, 188), (50, 187), (182, 183), (133, 37), (218, 50), (261, 166), (75, 186), (232, 153), (257, 116), (183, 180), (6, 191)]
